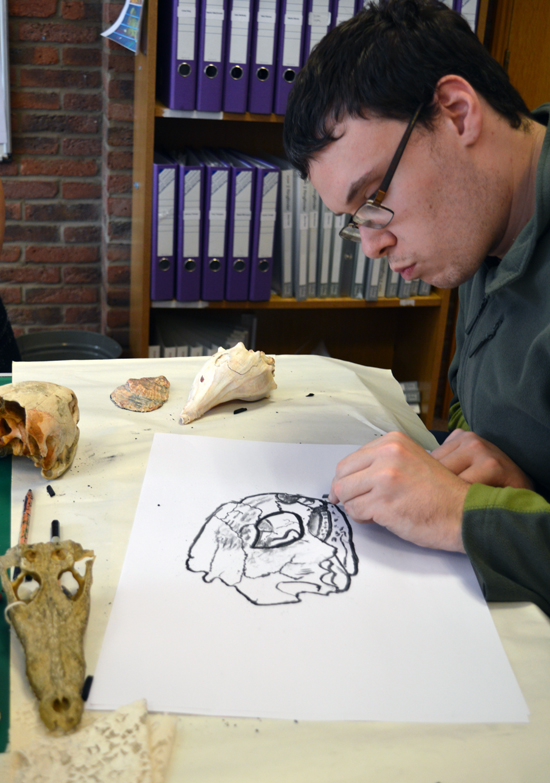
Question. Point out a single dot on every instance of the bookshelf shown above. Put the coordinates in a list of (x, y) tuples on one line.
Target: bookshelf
[(406, 336)]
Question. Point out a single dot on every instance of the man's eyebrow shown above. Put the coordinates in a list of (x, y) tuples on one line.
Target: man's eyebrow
[(357, 186)]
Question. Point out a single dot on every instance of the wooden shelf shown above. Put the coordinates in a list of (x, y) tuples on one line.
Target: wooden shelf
[(163, 111), (278, 303)]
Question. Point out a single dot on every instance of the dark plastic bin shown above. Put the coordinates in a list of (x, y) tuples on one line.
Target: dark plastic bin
[(52, 346)]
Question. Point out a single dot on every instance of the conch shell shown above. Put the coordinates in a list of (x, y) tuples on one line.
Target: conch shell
[(39, 420), (51, 625), (234, 374)]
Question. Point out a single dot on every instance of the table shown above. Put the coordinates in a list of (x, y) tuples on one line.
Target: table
[(95, 503)]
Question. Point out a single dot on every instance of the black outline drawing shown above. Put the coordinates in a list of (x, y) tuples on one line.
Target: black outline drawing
[(274, 546)]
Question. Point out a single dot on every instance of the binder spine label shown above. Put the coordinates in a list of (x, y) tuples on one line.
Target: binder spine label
[(217, 214), (240, 21), (186, 31), (214, 14), (266, 20), (346, 9), (192, 214), (165, 212), (242, 214), (292, 45)]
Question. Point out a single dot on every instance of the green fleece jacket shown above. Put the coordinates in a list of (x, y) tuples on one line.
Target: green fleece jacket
[(500, 377)]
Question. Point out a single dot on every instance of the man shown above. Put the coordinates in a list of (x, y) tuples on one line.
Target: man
[(9, 352), (469, 206)]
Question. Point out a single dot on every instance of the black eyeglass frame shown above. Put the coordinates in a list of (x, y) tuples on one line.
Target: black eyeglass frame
[(375, 201)]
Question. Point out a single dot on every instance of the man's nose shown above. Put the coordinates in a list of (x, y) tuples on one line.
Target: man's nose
[(375, 242)]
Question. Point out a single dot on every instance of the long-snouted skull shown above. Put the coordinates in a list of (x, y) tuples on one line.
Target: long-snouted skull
[(39, 420), (234, 374), (51, 625)]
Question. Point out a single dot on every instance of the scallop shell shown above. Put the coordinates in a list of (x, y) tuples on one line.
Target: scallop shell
[(142, 394), (234, 374)]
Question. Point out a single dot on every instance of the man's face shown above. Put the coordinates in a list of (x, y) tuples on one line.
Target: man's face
[(448, 211)]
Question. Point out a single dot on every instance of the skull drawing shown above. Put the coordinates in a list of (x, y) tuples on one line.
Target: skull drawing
[(275, 546)]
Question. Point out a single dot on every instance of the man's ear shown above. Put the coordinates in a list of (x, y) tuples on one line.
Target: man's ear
[(460, 107)]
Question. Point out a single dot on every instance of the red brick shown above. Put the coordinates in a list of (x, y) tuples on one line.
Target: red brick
[(62, 78), (72, 10), (32, 8), (118, 89), (82, 102), (119, 160), (81, 147), (81, 275), (60, 295), (27, 233), (13, 211), (59, 212), (83, 315), (58, 33), (119, 207), (121, 62), (8, 169), (119, 183), (120, 112), (21, 188), (34, 55), (118, 318), (90, 58), (10, 254), (111, 11), (59, 123), (59, 168), (34, 145), (118, 297), (120, 137), (81, 190), (118, 252), (61, 255), (34, 100), (30, 274), (10, 295), (118, 274), (81, 234), (119, 229), (47, 316)]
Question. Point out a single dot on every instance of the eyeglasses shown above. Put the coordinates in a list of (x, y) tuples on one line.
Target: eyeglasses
[(372, 214)]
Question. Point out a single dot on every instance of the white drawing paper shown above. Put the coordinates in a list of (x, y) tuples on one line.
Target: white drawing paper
[(245, 593)]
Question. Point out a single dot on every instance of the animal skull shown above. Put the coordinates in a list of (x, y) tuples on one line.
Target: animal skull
[(39, 420), (51, 625), (234, 374)]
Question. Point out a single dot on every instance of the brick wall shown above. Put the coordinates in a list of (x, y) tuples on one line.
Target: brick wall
[(65, 259)]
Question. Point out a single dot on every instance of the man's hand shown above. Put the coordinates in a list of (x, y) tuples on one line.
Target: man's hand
[(394, 482), (474, 459)]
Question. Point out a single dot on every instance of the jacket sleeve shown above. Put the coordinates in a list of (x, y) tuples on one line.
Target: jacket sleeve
[(506, 535)]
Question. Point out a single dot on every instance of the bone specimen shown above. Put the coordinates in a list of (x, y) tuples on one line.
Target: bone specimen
[(39, 420), (234, 374), (142, 394), (51, 625)]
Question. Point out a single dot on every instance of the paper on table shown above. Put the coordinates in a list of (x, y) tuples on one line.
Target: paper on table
[(410, 640)]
